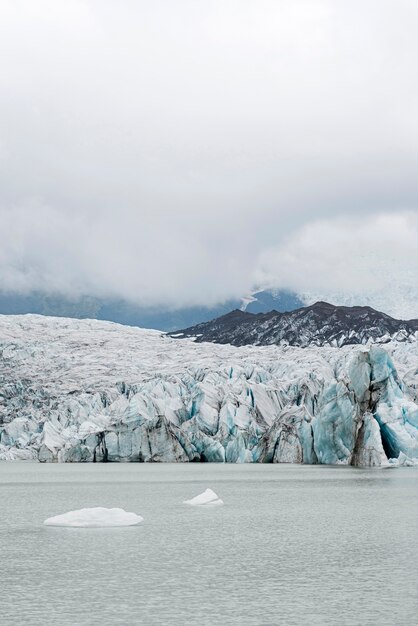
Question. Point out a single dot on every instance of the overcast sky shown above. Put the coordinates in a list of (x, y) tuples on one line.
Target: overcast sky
[(181, 151)]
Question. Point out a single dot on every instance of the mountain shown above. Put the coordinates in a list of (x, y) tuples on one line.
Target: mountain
[(85, 390), (124, 312), (319, 324)]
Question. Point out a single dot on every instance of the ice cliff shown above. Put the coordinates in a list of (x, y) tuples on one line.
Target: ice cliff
[(84, 390)]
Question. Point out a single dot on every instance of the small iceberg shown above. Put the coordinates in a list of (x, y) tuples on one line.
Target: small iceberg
[(206, 498), (97, 517)]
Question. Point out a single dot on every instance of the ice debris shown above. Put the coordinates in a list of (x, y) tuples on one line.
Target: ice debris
[(403, 461), (207, 498), (97, 517)]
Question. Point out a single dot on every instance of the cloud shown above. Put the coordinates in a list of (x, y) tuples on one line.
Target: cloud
[(162, 151), (369, 261), (351, 255)]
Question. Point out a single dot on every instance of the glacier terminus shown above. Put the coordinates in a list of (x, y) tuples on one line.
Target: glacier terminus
[(93, 391)]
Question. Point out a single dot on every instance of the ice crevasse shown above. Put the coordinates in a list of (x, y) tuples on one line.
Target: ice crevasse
[(85, 391)]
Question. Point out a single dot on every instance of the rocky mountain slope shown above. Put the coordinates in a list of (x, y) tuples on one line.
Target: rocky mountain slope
[(319, 324), (84, 390)]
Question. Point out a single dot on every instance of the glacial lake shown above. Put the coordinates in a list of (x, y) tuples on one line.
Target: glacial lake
[(293, 545)]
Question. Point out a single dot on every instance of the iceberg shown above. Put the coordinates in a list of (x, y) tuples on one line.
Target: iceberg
[(97, 517), (207, 498)]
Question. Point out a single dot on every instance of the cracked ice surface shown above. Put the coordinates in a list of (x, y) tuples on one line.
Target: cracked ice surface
[(86, 390)]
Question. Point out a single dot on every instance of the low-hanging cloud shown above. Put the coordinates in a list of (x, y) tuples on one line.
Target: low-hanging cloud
[(179, 152), (347, 255)]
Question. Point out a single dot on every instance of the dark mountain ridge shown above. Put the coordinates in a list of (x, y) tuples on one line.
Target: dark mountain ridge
[(319, 324)]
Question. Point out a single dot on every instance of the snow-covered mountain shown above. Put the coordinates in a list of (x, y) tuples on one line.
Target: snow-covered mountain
[(263, 301), (319, 324), (85, 390)]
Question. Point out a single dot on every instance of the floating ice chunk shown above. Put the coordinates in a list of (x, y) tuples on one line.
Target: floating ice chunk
[(206, 498), (97, 517), (404, 461)]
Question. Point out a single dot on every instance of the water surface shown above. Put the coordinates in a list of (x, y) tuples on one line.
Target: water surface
[(293, 545)]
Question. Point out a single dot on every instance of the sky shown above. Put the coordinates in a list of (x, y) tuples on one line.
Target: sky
[(181, 152)]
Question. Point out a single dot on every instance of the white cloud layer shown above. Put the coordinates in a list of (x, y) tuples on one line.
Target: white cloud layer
[(368, 261), (177, 151)]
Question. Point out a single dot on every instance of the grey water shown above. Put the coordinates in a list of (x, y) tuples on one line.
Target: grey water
[(292, 545)]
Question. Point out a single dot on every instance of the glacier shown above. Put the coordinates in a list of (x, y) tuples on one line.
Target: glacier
[(92, 391)]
